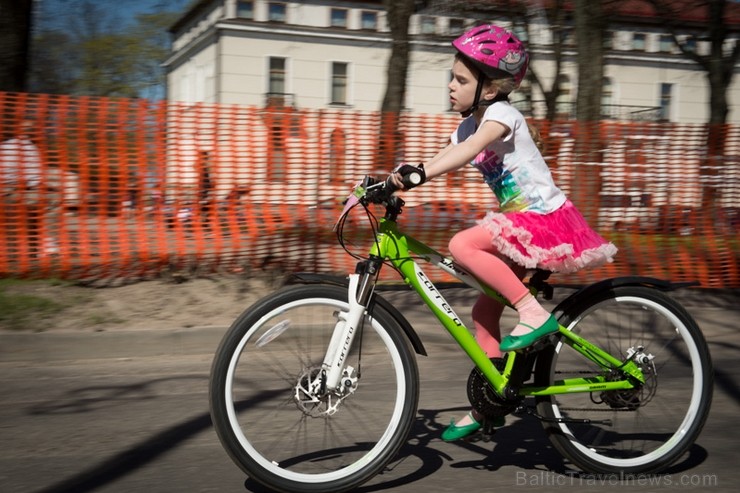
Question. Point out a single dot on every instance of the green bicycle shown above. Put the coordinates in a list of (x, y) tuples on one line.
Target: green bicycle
[(315, 387)]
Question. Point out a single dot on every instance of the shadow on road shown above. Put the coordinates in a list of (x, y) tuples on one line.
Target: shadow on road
[(522, 444)]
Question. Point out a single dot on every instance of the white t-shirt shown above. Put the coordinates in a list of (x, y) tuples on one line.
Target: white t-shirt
[(513, 166), (20, 162)]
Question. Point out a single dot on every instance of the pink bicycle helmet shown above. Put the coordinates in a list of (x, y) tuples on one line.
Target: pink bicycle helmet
[(495, 51)]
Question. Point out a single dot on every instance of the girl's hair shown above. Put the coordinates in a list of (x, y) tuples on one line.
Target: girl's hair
[(504, 85), (536, 137)]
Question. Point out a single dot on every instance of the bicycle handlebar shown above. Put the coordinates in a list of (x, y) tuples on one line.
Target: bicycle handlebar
[(378, 192)]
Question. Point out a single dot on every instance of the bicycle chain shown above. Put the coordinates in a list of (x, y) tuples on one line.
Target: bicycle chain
[(598, 410)]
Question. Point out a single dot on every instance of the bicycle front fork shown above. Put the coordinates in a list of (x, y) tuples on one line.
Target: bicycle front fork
[(361, 285)]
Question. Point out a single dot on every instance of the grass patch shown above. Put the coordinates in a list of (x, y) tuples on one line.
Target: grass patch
[(23, 310)]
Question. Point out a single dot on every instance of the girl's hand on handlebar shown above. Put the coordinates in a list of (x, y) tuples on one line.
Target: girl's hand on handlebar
[(395, 180), (406, 176)]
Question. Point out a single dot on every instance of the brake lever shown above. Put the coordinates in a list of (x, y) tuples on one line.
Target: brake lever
[(377, 192)]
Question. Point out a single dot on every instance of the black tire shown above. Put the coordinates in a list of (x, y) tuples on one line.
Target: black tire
[(649, 429), (259, 405)]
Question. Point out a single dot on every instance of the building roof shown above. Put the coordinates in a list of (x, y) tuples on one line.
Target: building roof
[(196, 9), (190, 14), (688, 13)]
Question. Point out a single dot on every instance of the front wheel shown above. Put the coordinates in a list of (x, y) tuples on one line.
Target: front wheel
[(274, 417), (639, 430)]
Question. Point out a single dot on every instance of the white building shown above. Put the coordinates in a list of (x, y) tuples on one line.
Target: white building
[(326, 56), (333, 53)]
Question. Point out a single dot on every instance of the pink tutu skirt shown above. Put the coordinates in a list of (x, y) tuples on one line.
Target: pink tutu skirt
[(561, 241)]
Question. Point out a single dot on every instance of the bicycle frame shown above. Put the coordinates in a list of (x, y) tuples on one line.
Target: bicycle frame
[(396, 247)]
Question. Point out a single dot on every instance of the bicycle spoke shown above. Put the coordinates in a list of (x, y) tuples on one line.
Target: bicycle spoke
[(278, 417), (649, 426)]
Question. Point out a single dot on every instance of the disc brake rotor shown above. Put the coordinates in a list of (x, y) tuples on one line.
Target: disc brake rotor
[(312, 397)]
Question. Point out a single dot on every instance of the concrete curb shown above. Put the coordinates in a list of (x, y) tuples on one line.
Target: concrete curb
[(60, 346), (35, 347)]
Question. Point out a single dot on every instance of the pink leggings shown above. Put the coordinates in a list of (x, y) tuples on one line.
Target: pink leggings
[(473, 250)]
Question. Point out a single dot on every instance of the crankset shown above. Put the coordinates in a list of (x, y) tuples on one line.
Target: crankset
[(484, 399)]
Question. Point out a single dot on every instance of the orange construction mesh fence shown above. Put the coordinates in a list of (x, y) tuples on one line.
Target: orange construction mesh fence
[(130, 188)]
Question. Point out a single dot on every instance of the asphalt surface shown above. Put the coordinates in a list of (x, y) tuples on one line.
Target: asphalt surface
[(127, 411)]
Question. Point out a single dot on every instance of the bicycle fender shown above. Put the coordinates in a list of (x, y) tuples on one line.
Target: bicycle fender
[(606, 284), (317, 278)]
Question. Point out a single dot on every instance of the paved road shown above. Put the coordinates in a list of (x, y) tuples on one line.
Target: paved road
[(127, 411)]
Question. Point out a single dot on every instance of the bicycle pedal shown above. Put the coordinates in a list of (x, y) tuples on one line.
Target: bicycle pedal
[(541, 344), (485, 438), (482, 436)]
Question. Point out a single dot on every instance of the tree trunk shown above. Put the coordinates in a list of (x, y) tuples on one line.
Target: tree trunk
[(15, 36), (389, 141), (590, 27), (720, 69)]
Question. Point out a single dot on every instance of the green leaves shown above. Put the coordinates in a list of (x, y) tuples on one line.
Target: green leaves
[(102, 56)]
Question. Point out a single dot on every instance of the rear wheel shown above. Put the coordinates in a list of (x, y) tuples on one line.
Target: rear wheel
[(629, 431), (276, 419)]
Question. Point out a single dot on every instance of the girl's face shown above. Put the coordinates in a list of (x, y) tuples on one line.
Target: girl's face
[(462, 87)]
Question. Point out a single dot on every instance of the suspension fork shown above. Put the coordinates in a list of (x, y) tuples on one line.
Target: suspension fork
[(361, 286)]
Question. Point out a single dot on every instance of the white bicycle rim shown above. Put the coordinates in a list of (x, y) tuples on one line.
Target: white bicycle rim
[(352, 468), (694, 403)]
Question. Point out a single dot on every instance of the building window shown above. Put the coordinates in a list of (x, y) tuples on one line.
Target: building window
[(666, 97), (339, 18), (277, 76), (638, 42), (369, 20), (456, 26), (338, 83), (428, 25), (521, 33), (276, 12), (245, 9), (666, 43)]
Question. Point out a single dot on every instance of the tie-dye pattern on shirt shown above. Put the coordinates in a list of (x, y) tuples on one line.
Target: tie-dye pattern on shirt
[(501, 181)]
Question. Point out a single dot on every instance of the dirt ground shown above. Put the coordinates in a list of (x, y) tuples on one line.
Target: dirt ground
[(175, 302), (146, 305)]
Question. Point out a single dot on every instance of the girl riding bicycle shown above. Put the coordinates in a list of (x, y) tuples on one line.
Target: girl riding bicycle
[(536, 225)]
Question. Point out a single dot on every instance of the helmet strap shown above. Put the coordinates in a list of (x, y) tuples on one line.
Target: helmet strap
[(485, 102), (476, 100)]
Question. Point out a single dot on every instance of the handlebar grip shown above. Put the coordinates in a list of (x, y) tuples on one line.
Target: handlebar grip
[(409, 181), (412, 179), (411, 176)]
